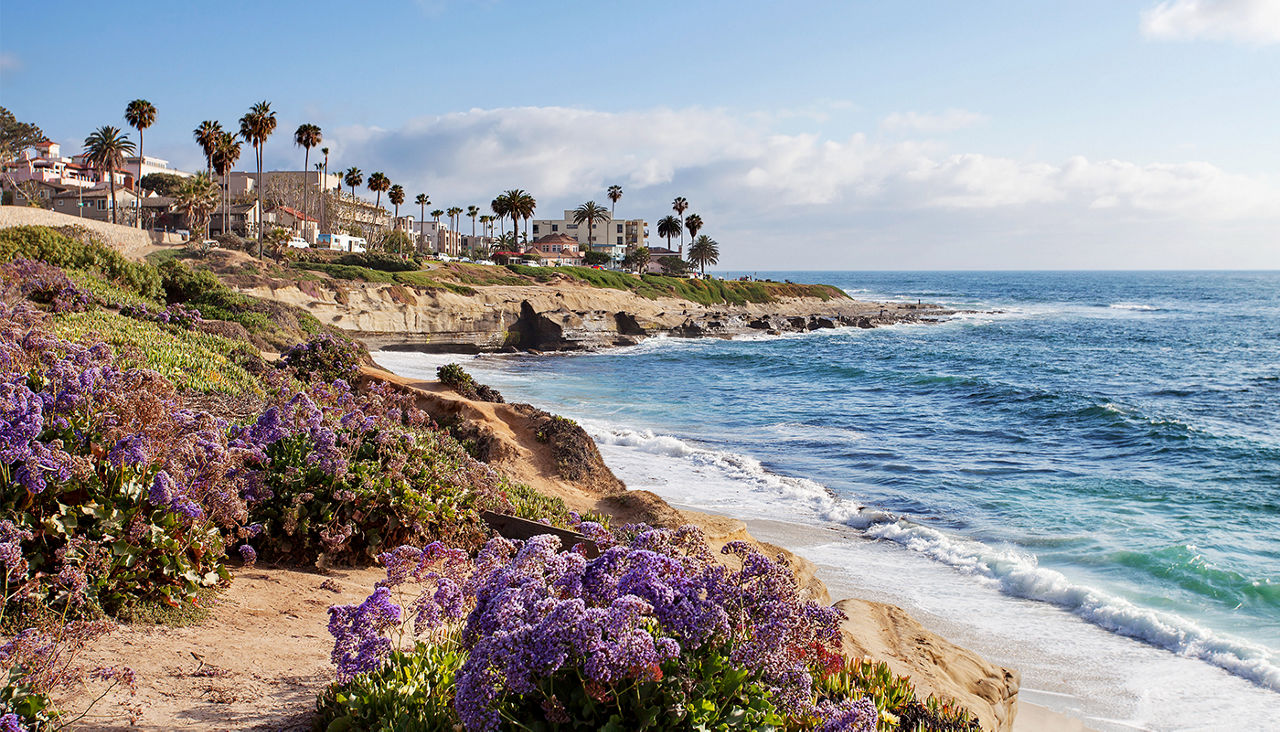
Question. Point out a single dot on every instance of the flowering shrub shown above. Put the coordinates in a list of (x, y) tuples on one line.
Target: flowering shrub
[(75, 248), (177, 315), (118, 493), (44, 284), (652, 633), (341, 476), (324, 358)]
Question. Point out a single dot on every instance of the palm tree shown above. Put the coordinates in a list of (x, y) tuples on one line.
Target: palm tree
[(453, 212), (517, 204), (255, 127), (615, 193), (207, 138), (396, 197), (378, 183), (353, 177), (140, 114), (196, 198), (422, 200), (486, 224), (590, 212), (105, 149), (473, 212), (669, 226), (527, 205), (225, 155), (680, 205), (306, 136), (703, 251), (692, 224), (500, 207)]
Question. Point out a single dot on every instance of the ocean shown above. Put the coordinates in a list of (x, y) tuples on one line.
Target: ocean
[(1079, 479)]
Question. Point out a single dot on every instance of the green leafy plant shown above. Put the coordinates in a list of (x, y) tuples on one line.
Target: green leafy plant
[(413, 691), (73, 248), (895, 698)]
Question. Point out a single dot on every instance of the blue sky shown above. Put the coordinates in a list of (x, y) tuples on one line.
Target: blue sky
[(1090, 134)]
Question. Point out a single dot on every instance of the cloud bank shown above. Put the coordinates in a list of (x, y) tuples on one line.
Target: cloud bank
[(1249, 21), (760, 184)]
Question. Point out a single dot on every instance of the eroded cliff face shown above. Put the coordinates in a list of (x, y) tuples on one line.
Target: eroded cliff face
[(884, 632), (566, 316)]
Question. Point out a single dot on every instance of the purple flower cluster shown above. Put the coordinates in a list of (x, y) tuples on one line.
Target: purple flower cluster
[(43, 284), (323, 358), (176, 314), (850, 715), (655, 597)]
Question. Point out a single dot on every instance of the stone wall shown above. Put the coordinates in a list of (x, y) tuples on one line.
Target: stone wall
[(132, 243)]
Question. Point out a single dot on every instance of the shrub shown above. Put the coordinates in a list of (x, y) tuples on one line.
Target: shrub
[(381, 261), (119, 493), (900, 709), (177, 315), (324, 358), (74, 248), (596, 258), (44, 285), (184, 284), (453, 376), (414, 688), (653, 633), (340, 477)]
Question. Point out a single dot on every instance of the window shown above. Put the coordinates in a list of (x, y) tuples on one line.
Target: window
[(555, 227), (535, 228), (619, 240), (619, 228)]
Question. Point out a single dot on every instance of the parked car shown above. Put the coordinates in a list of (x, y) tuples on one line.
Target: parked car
[(297, 242)]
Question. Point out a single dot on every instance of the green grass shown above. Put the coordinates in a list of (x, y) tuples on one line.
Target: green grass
[(188, 359), (477, 274), (365, 274), (74, 248), (705, 292)]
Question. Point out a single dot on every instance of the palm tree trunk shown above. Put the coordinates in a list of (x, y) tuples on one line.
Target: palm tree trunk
[(258, 150), (111, 181), (138, 183), (306, 166)]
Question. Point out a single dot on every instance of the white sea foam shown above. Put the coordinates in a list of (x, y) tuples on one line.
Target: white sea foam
[(745, 484), (1131, 306)]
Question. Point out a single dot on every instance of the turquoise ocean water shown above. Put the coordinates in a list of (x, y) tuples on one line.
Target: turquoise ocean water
[(1084, 484)]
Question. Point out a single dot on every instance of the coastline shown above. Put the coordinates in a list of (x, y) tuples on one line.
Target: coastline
[(883, 631)]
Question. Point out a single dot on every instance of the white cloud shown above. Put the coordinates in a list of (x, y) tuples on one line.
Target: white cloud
[(1250, 21), (755, 184), (948, 121)]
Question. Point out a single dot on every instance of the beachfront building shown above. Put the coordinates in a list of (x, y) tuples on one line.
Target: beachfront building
[(242, 219), (613, 237), (95, 203), (345, 211), (656, 255), (295, 221), (477, 245), (437, 238), (137, 167), (240, 184), (557, 249), (42, 172)]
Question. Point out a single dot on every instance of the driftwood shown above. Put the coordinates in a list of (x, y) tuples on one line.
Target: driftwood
[(514, 527)]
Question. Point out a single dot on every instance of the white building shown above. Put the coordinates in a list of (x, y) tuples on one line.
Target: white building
[(612, 237), (436, 237), (138, 167)]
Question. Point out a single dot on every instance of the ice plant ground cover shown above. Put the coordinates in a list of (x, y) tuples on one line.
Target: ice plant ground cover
[(654, 633)]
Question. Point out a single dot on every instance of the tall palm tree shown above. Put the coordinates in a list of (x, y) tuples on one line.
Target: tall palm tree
[(518, 204), (378, 182), (454, 212), (225, 155), (680, 205), (324, 190), (500, 207), (703, 251), (306, 136), (140, 114), (353, 177), (615, 194), (693, 224), (669, 226), (422, 200), (255, 127), (105, 149), (527, 205), (196, 198), (590, 212), (396, 197), (473, 212), (436, 214), (207, 138)]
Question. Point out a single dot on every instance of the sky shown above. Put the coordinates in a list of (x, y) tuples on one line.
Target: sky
[(1006, 134)]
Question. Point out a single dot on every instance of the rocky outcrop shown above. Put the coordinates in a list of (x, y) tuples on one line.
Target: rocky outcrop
[(561, 317)]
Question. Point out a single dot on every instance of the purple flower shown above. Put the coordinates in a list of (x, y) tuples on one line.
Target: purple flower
[(248, 555), (12, 723), (131, 451)]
